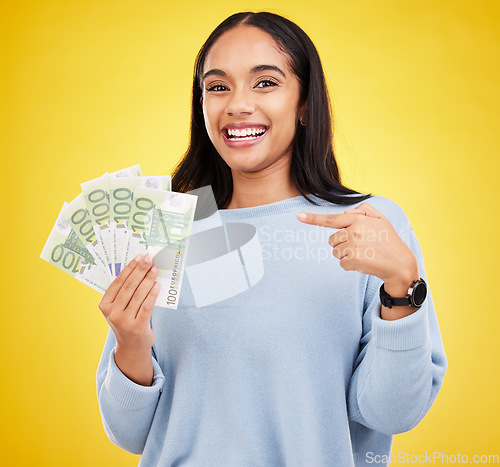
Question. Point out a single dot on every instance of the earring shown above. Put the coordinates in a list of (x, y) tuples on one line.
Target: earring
[(302, 121)]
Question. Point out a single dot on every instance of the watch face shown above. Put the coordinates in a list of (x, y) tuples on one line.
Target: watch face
[(419, 294)]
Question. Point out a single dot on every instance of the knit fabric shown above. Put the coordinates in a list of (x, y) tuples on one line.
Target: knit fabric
[(299, 370)]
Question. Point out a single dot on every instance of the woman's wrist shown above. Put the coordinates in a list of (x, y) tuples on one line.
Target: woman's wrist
[(397, 286), (136, 365), (398, 283)]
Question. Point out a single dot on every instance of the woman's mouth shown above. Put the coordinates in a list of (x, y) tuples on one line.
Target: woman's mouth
[(241, 137)]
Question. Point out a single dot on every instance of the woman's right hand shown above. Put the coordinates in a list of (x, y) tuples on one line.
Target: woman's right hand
[(127, 306)]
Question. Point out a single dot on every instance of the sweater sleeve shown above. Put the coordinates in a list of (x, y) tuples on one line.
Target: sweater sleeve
[(401, 363), (127, 409)]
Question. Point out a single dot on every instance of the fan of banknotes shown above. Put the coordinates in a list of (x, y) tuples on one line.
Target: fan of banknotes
[(115, 218)]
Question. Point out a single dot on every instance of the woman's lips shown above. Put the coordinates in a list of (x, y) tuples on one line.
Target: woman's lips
[(242, 142)]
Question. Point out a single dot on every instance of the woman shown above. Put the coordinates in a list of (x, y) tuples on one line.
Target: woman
[(307, 367)]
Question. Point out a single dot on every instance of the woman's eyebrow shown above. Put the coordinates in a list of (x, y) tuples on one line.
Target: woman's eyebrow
[(215, 72), (258, 68), (255, 69)]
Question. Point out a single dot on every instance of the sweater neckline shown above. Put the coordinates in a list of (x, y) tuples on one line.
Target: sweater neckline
[(278, 207)]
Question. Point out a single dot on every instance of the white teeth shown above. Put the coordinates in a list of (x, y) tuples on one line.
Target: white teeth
[(248, 133), (246, 138)]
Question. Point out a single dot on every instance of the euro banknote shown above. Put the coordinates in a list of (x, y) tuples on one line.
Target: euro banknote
[(97, 200), (77, 215), (121, 190), (65, 250), (160, 223), (116, 217)]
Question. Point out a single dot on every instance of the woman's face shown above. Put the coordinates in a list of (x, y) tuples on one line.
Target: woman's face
[(250, 100)]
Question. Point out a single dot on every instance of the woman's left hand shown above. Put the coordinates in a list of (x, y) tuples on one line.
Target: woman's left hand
[(368, 243)]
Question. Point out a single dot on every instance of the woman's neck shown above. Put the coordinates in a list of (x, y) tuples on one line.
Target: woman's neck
[(264, 187)]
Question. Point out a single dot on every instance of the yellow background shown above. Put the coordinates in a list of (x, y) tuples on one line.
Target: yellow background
[(96, 85)]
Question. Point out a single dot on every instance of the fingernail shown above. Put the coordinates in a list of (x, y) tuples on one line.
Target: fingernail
[(302, 216), (138, 258), (157, 285), (148, 259), (154, 269)]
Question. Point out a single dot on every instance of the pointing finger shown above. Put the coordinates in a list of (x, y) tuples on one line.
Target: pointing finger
[(334, 221)]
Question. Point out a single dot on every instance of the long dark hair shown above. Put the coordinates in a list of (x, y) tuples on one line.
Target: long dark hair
[(313, 166)]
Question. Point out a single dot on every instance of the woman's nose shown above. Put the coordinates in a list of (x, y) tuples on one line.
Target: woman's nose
[(240, 103)]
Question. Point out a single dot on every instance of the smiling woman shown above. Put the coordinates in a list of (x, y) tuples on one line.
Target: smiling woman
[(256, 91), (321, 361), (274, 82)]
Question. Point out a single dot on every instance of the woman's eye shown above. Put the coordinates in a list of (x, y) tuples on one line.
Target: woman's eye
[(266, 83), (217, 88)]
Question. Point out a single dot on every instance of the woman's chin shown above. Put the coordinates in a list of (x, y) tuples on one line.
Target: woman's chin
[(252, 162), (245, 166)]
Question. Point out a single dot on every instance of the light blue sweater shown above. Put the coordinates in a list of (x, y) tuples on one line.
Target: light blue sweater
[(298, 371)]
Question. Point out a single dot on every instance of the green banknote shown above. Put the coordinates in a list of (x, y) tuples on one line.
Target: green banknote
[(96, 196), (160, 223), (121, 190), (116, 217), (97, 200), (78, 217), (65, 250)]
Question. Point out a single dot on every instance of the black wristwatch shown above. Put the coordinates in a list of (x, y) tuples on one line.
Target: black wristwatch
[(416, 296)]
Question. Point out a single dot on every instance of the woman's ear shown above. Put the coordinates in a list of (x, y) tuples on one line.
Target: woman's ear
[(303, 113)]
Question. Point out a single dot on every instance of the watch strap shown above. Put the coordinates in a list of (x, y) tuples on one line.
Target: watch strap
[(389, 301), (408, 300)]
